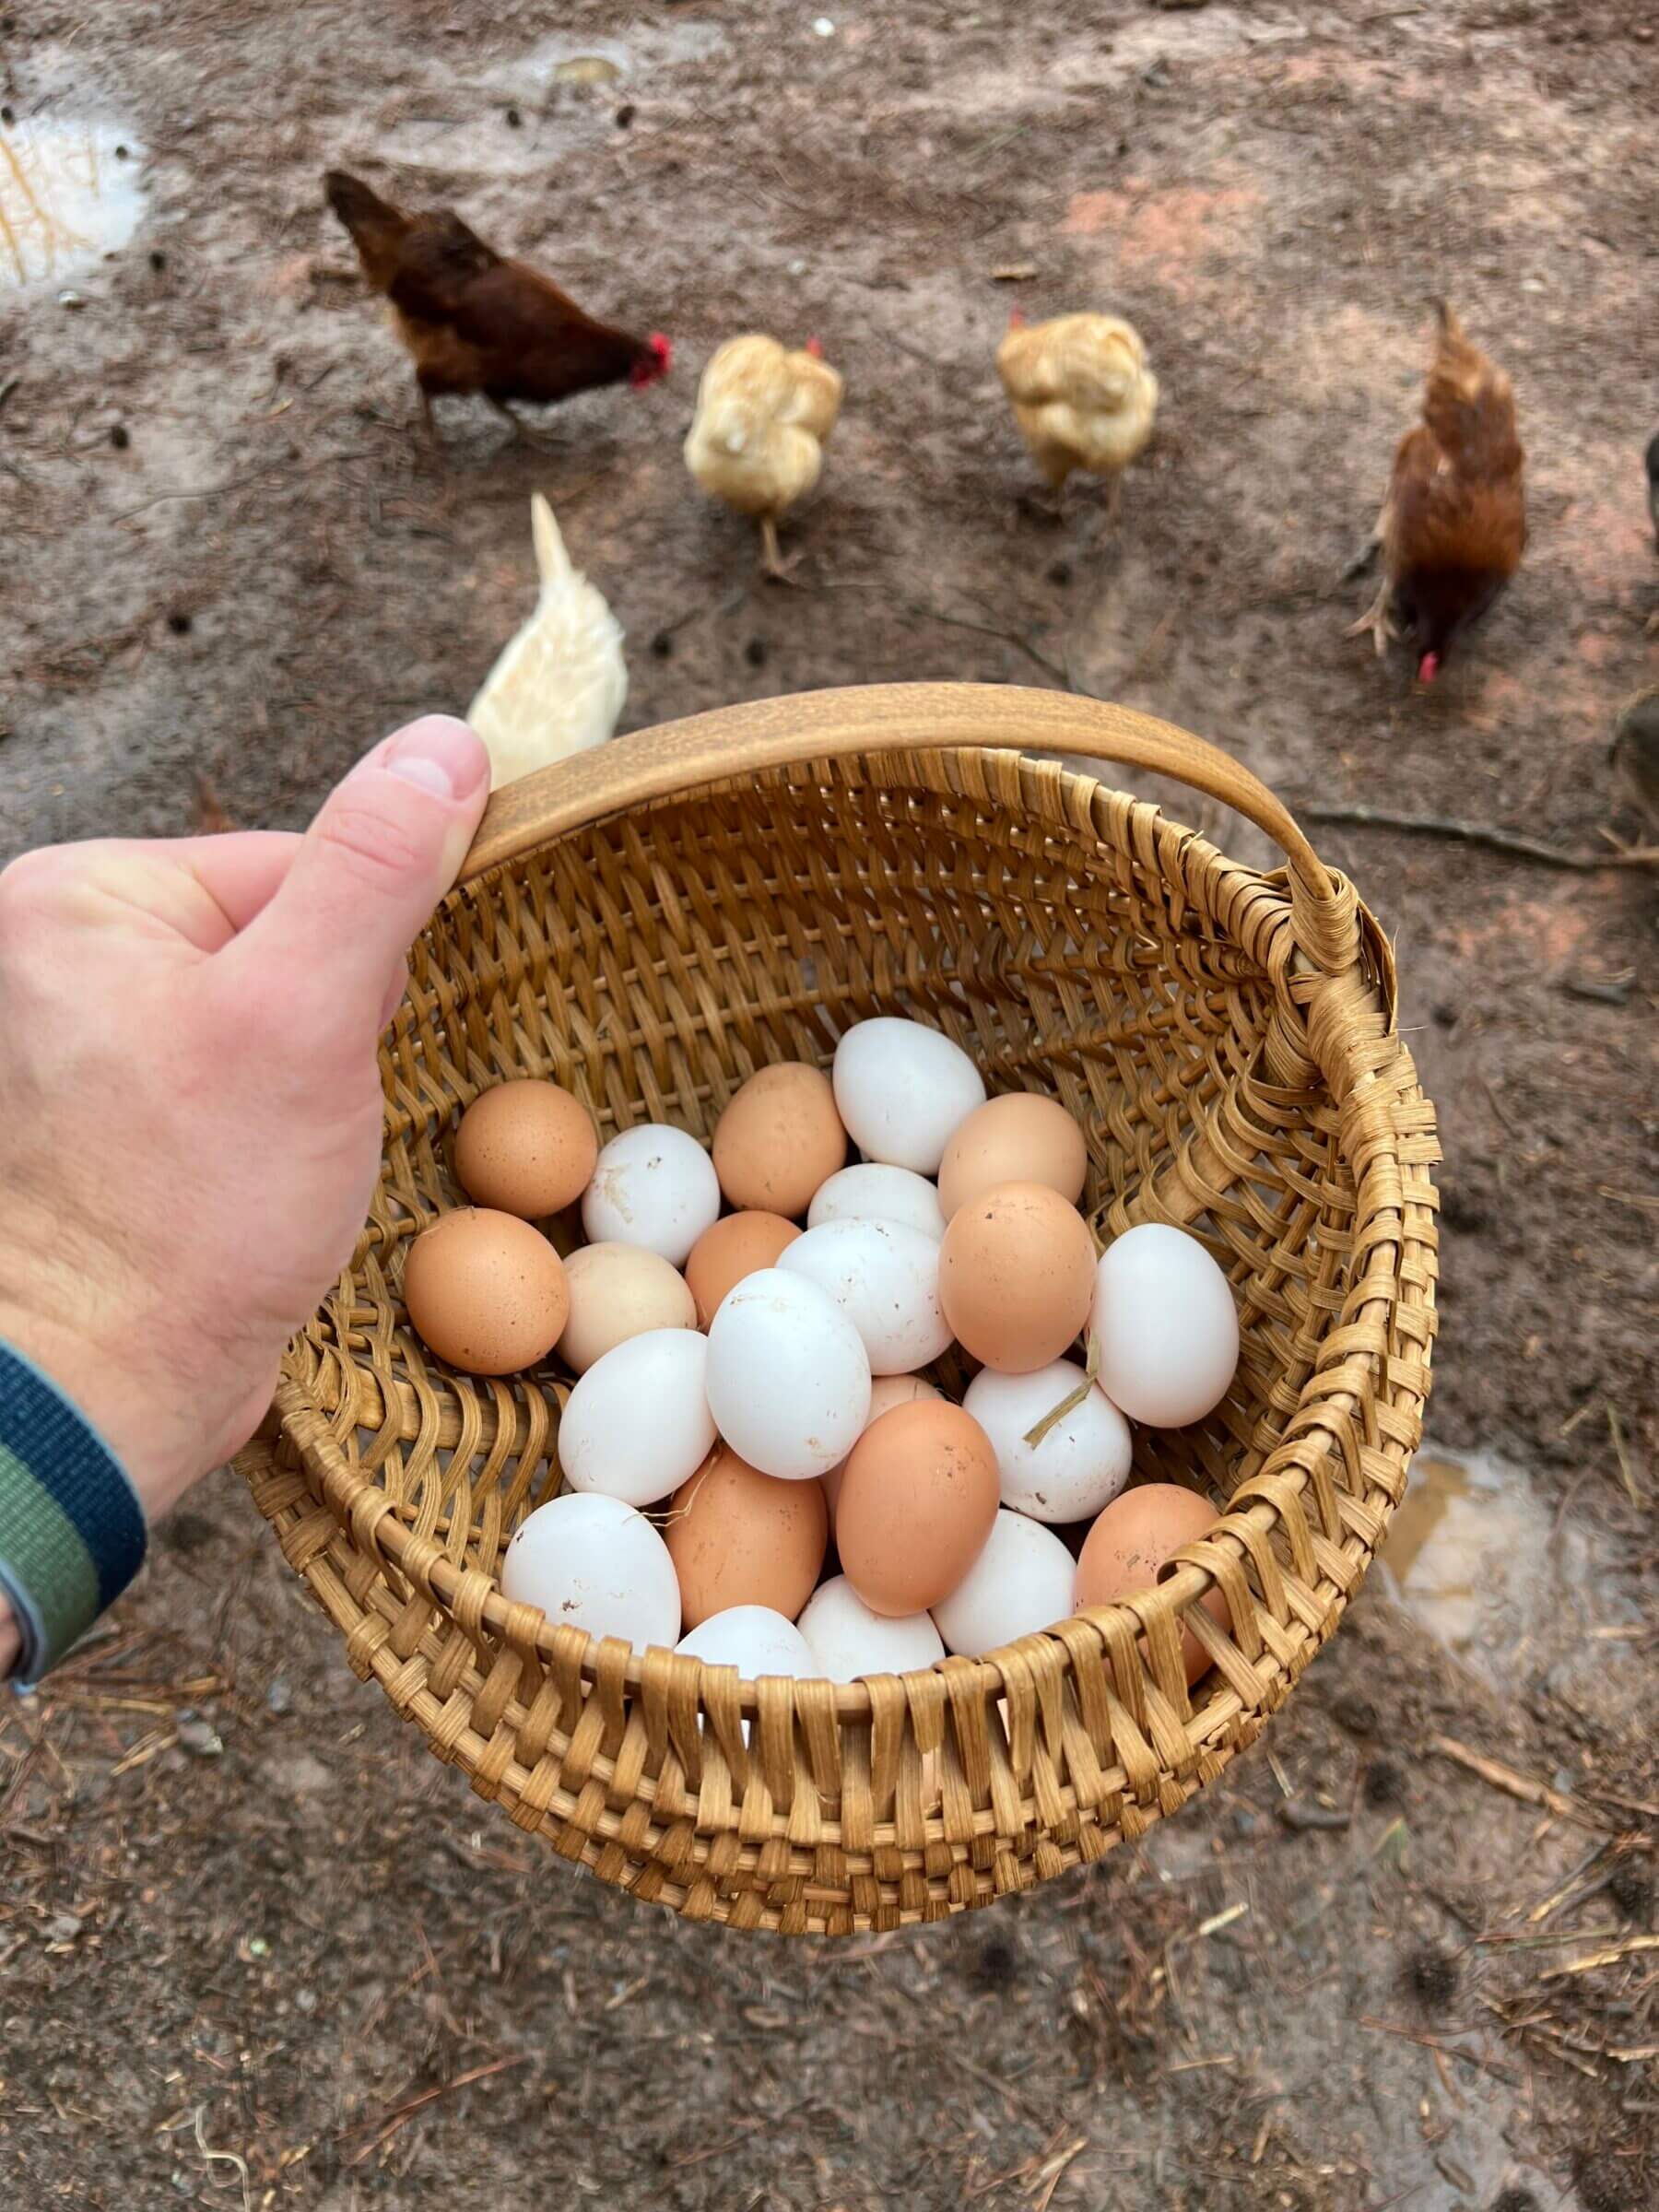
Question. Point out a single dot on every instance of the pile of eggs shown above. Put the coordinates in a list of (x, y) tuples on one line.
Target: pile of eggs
[(748, 1395)]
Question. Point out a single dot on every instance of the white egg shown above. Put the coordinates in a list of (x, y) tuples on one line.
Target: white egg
[(594, 1563), (1166, 1325), (754, 1640), (848, 1640), (1081, 1464), (872, 1192), (637, 1423), (903, 1090), (886, 1392), (1020, 1583), (884, 1275), (789, 1378), (653, 1186)]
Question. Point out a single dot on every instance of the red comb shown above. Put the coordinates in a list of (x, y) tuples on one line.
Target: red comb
[(815, 347), (1017, 318)]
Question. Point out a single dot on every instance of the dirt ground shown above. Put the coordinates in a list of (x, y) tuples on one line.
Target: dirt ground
[(256, 1948)]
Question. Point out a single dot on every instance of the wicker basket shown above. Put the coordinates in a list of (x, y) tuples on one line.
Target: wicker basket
[(651, 921)]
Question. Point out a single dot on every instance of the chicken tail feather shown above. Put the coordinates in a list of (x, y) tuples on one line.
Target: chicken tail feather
[(552, 562)]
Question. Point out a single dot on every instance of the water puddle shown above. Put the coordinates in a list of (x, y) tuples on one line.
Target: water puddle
[(1475, 1555), (69, 194)]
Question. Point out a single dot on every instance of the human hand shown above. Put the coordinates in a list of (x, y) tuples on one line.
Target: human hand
[(190, 1101)]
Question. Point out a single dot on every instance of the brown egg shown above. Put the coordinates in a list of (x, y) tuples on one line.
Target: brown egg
[(779, 1138), (1017, 1274), (618, 1291), (486, 1291), (728, 1249), (886, 1392), (738, 1537), (918, 1501), (1020, 1138), (1132, 1540), (526, 1149)]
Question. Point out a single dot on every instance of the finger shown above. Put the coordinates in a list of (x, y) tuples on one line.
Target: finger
[(382, 853), (395, 991)]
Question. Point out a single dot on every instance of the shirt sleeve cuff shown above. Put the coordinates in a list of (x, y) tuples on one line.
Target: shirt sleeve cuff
[(72, 1531)]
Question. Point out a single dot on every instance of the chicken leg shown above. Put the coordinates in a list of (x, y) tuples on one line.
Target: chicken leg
[(773, 562), (522, 431)]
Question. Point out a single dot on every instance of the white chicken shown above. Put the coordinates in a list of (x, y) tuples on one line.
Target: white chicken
[(560, 686), (757, 441), (1082, 393)]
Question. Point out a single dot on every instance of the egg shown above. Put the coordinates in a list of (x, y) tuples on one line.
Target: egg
[(754, 1640), (485, 1291), (1131, 1541), (525, 1147), (886, 1392), (738, 1537), (618, 1291), (848, 1641), (637, 1423), (1167, 1328), (1081, 1463), (653, 1186), (903, 1090), (779, 1138), (1017, 1274), (594, 1563), (917, 1502), (740, 1244), (1020, 1583), (788, 1376), (872, 1192), (884, 1275), (1020, 1138)]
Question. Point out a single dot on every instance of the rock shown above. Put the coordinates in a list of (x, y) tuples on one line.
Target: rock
[(196, 1735)]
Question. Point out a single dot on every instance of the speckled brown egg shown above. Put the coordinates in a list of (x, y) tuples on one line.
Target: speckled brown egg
[(1020, 1138), (486, 1291), (779, 1138), (917, 1504), (1016, 1276), (525, 1149), (737, 1245), (1131, 1541), (738, 1537)]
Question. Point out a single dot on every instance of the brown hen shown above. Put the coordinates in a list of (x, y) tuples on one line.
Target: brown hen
[(475, 322), (1453, 525)]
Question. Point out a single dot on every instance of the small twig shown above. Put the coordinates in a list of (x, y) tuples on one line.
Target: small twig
[(1297, 1813), (1073, 1398), (1514, 1784), (1623, 1457), (1433, 2043), (224, 2158), (384, 2129), (990, 629), (1609, 1957), (1480, 833)]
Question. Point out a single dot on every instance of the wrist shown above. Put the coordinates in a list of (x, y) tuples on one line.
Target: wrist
[(113, 1401)]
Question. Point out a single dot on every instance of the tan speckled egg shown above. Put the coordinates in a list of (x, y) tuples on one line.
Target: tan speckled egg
[(918, 1502), (618, 1291), (486, 1291), (738, 1537), (1131, 1541), (729, 1248), (1016, 1276), (886, 1392), (1020, 1138), (779, 1138), (526, 1149)]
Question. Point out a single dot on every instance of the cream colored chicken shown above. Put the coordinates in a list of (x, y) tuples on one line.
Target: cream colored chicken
[(1082, 395), (560, 686), (757, 441)]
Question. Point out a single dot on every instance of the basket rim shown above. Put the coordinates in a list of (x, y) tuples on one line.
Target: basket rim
[(1156, 1619)]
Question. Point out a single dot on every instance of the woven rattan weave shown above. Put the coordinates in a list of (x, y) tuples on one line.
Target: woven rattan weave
[(649, 923)]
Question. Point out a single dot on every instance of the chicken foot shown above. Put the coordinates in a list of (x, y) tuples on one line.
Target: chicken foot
[(773, 562), (1378, 618), (540, 439)]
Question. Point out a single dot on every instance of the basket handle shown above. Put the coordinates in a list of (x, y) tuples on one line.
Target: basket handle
[(906, 718)]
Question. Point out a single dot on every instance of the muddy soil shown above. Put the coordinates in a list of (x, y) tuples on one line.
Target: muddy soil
[(255, 1947)]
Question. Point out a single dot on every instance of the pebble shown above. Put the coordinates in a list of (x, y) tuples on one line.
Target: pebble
[(63, 1928), (197, 1736), (279, 1698)]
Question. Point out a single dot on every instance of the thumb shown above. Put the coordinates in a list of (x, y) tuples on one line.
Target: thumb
[(380, 853)]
